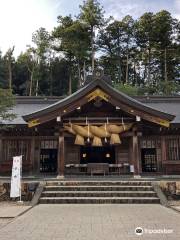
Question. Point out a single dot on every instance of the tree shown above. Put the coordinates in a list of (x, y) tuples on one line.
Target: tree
[(29, 59), (9, 60), (6, 104), (2, 72), (62, 43), (145, 39), (117, 40), (79, 44), (127, 89), (72, 39), (164, 25), (21, 76), (92, 14), (110, 43), (41, 39), (128, 40)]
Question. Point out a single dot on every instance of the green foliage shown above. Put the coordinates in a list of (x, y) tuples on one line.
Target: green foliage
[(2, 71), (41, 38), (127, 89), (92, 13), (143, 53), (71, 38), (6, 104), (168, 88)]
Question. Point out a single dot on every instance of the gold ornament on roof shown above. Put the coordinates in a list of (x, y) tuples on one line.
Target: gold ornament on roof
[(98, 93), (33, 123)]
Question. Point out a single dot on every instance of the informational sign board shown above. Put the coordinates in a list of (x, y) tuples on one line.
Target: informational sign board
[(16, 177), (131, 168)]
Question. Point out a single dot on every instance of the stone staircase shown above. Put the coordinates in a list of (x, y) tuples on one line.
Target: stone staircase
[(63, 192)]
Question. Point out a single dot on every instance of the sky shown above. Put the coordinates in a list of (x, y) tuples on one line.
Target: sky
[(20, 18)]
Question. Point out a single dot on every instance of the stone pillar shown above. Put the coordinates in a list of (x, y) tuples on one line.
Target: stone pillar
[(61, 155)]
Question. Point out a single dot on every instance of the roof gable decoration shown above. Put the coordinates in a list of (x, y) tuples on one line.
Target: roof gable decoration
[(98, 93), (99, 89)]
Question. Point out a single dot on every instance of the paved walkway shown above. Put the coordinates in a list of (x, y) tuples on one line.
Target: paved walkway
[(12, 211), (177, 208), (93, 222)]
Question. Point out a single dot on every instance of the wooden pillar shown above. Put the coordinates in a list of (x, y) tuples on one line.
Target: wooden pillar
[(36, 156), (32, 155), (135, 152), (1, 149), (163, 153), (61, 154), (163, 149)]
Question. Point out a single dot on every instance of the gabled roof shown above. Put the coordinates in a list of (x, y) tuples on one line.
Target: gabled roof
[(117, 98)]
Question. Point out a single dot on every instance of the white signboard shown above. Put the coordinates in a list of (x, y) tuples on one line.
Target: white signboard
[(131, 168), (16, 177)]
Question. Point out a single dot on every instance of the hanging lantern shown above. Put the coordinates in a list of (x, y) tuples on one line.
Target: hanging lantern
[(108, 155)]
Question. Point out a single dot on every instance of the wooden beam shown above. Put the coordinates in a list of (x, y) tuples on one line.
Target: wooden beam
[(29, 137), (61, 154), (116, 120)]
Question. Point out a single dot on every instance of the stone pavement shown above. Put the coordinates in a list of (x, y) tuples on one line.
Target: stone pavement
[(177, 208), (93, 222), (12, 211), (4, 221)]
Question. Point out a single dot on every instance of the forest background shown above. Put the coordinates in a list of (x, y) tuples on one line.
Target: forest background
[(142, 55)]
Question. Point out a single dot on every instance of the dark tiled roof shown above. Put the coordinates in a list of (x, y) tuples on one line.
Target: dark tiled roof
[(121, 97), (26, 105), (170, 104)]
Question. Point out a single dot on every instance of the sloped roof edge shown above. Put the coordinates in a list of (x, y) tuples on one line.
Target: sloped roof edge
[(107, 88)]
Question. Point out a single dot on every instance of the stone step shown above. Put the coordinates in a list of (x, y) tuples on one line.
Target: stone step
[(99, 194), (98, 188), (96, 200), (98, 183)]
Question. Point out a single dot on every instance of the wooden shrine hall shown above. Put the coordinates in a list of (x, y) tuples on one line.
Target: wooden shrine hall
[(96, 130)]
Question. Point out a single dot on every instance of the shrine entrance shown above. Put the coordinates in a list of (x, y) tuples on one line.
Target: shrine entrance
[(90, 154)]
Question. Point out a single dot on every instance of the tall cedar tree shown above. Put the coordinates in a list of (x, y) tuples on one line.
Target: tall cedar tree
[(92, 14)]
